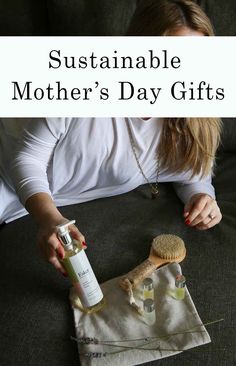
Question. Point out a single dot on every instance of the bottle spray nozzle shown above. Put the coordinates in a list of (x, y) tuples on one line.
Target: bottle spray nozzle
[(63, 228), (63, 233)]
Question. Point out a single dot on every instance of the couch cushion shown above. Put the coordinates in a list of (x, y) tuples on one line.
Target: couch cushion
[(35, 316), (222, 15), (24, 18), (229, 135), (81, 17), (111, 17)]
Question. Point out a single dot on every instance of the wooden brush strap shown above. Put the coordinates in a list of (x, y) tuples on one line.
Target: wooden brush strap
[(138, 274)]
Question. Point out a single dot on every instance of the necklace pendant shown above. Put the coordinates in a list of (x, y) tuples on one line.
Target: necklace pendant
[(154, 192)]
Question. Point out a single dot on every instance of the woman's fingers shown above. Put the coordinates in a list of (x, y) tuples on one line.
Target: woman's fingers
[(55, 262), (203, 213), (198, 210), (51, 250), (212, 220), (76, 234), (187, 208)]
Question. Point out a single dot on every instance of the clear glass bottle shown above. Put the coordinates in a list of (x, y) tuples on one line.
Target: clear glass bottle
[(180, 282), (148, 289), (80, 271), (149, 313)]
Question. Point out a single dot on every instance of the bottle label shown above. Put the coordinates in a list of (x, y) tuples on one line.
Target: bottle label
[(83, 278)]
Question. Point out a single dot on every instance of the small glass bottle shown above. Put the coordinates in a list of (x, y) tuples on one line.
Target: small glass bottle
[(148, 289), (180, 282), (79, 271), (149, 313)]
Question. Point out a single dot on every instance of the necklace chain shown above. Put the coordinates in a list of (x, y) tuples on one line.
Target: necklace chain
[(153, 187)]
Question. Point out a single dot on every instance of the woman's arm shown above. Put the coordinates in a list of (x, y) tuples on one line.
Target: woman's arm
[(33, 155), (187, 188), (29, 174)]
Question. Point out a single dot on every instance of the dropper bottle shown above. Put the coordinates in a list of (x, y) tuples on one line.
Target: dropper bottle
[(149, 313), (180, 283), (148, 289), (80, 271)]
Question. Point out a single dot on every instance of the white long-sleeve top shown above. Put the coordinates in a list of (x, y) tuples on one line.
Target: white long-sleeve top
[(80, 159)]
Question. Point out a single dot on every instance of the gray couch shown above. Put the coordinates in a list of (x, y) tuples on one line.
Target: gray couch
[(36, 320)]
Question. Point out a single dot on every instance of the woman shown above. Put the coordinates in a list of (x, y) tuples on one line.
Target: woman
[(65, 161)]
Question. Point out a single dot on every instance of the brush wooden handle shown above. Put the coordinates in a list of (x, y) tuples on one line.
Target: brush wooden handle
[(138, 274), (165, 248)]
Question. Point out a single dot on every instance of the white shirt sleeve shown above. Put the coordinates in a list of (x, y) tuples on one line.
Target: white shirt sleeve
[(187, 188), (29, 166)]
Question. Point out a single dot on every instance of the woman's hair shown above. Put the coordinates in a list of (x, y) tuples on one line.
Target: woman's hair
[(187, 144), (161, 17)]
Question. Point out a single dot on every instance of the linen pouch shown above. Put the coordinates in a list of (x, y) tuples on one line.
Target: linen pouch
[(118, 326)]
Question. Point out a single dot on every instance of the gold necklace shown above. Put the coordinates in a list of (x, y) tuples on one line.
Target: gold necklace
[(153, 187)]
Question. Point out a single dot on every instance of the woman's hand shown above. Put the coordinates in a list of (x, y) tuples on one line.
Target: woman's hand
[(202, 212), (47, 216), (51, 247)]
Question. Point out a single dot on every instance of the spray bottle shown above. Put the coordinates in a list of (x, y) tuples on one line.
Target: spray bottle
[(80, 271)]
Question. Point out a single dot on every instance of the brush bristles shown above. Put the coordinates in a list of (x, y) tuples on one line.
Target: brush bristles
[(168, 246)]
